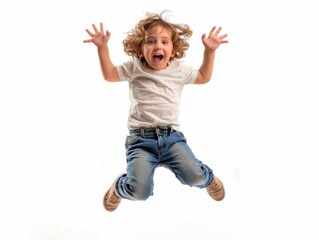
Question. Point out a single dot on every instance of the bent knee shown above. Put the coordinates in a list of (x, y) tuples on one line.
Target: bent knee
[(141, 197), (196, 180), (141, 192)]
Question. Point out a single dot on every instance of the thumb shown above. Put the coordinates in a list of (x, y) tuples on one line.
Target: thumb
[(204, 37)]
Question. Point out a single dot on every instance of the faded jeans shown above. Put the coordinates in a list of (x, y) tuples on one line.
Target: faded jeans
[(149, 148)]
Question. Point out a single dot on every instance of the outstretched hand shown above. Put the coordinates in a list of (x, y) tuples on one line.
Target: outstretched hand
[(213, 40), (99, 38)]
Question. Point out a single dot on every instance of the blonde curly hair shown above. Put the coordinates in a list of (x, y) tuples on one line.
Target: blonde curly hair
[(135, 38)]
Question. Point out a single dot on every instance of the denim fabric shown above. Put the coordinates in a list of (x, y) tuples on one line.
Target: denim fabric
[(147, 149)]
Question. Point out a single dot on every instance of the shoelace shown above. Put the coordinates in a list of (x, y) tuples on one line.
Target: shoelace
[(114, 199), (215, 188)]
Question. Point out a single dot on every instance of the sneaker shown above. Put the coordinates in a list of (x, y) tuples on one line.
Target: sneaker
[(216, 189), (111, 199)]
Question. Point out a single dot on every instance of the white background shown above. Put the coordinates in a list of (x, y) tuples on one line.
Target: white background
[(62, 127)]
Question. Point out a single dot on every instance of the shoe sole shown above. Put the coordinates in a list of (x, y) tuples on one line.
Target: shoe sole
[(111, 189), (223, 196)]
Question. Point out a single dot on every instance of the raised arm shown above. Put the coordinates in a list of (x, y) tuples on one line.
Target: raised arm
[(100, 39), (211, 43)]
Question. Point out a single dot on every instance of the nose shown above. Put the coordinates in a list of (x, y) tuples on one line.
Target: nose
[(158, 45)]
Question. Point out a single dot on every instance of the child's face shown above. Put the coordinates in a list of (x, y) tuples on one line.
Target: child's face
[(157, 47)]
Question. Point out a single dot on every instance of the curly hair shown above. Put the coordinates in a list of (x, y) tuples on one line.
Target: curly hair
[(135, 38)]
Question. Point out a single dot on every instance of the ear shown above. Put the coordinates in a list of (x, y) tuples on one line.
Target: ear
[(173, 54)]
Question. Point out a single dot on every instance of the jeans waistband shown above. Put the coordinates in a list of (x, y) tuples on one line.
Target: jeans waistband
[(153, 131)]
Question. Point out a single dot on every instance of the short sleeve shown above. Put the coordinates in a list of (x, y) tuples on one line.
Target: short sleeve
[(190, 74), (125, 70)]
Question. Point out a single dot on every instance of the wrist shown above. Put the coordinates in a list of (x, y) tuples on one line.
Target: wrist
[(209, 53), (102, 47)]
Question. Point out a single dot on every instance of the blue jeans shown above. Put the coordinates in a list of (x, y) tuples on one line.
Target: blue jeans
[(149, 148)]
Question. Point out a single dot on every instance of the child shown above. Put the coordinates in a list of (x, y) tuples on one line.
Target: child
[(156, 79)]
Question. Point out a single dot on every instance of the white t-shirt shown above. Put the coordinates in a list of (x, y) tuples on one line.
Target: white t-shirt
[(155, 95)]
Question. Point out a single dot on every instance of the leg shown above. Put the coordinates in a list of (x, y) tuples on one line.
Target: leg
[(187, 168), (137, 183)]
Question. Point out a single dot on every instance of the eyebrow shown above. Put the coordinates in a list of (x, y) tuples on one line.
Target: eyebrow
[(148, 37)]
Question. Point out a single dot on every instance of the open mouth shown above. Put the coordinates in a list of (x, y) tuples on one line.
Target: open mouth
[(158, 57)]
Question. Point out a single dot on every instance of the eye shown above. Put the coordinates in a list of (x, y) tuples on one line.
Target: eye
[(165, 42), (150, 41)]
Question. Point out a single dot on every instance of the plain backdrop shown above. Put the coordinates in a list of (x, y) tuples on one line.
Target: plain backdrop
[(62, 127)]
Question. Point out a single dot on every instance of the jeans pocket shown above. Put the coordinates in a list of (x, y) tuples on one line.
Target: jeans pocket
[(180, 135), (131, 139)]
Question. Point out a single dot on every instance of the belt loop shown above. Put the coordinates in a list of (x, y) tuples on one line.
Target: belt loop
[(158, 132), (171, 128), (142, 132)]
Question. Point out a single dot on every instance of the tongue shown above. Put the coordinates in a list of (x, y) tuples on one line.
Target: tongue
[(157, 58)]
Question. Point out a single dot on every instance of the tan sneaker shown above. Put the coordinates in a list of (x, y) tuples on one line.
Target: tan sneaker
[(216, 189), (111, 199)]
